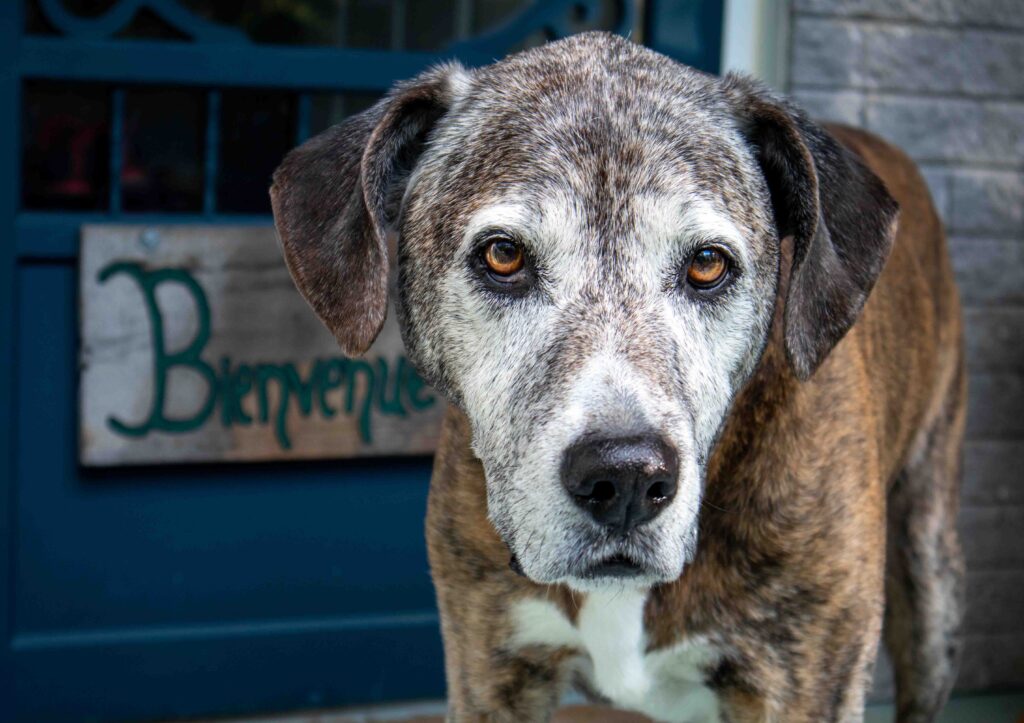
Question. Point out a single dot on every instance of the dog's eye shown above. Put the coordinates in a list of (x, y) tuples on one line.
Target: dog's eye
[(707, 268), (504, 257)]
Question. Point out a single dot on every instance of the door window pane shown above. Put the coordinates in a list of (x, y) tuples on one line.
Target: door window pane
[(36, 22), (65, 148), (256, 129), (162, 162), (328, 109), (278, 22), (369, 24)]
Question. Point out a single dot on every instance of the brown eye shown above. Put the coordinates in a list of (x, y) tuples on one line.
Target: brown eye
[(504, 257), (707, 268)]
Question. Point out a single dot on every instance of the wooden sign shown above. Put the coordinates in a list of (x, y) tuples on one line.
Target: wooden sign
[(196, 347)]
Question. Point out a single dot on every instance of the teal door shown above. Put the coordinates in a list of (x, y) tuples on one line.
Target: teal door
[(161, 592)]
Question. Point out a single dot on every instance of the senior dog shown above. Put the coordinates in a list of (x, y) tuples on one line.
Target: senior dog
[(707, 397)]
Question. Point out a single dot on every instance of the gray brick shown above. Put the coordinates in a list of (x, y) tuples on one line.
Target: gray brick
[(1003, 127), (994, 407), (993, 472), (826, 53), (989, 271), (912, 58), (938, 182), (929, 129), (945, 130), (991, 537), (833, 7), (995, 13), (925, 10), (995, 600), (1000, 14), (995, 339), (988, 203), (992, 661), (842, 106), (993, 63)]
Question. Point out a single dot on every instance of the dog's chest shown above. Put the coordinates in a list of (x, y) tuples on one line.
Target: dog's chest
[(666, 684)]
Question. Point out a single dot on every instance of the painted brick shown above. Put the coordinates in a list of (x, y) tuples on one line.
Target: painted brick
[(991, 537), (993, 472), (999, 14), (991, 13), (992, 661), (995, 600), (926, 10), (950, 130), (994, 406), (841, 106), (929, 129), (995, 339), (826, 53), (938, 180), (913, 58), (988, 203), (989, 271), (993, 63)]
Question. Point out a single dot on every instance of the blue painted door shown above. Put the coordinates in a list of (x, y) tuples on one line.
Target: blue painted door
[(146, 593)]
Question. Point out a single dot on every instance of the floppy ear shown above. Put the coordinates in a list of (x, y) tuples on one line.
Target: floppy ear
[(336, 197), (839, 213)]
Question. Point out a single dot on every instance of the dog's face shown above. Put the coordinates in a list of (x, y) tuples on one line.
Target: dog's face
[(552, 239), (588, 267)]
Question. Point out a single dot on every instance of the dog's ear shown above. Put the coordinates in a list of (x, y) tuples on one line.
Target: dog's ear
[(336, 197), (840, 215)]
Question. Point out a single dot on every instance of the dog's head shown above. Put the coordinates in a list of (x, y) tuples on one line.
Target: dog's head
[(588, 259)]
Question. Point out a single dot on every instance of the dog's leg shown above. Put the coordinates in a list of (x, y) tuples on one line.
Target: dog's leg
[(925, 569), (487, 681)]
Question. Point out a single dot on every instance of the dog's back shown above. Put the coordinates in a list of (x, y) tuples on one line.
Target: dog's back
[(909, 332), (910, 340)]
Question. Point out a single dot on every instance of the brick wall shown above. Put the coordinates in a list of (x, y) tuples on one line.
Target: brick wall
[(944, 79)]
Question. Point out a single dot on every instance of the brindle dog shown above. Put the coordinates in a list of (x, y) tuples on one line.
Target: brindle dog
[(707, 397)]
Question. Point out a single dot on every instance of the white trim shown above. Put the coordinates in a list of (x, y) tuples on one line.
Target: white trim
[(755, 40)]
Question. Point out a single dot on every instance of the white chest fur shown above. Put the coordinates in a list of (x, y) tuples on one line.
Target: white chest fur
[(667, 684)]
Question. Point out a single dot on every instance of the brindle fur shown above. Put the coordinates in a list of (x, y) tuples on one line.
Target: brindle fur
[(830, 494)]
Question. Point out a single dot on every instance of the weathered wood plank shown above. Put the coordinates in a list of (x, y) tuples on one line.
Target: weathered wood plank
[(195, 346)]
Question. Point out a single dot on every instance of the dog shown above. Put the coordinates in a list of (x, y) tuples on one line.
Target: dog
[(706, 394)]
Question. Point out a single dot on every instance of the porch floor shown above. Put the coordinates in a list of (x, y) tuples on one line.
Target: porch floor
[(1007, 708)]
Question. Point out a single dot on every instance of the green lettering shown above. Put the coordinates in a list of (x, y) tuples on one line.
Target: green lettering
[(331, 373), (264, 374), (234, 385), (164, 362), (356, 367)]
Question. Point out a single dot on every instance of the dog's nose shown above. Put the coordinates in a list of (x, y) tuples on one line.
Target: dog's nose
[(621, 482)]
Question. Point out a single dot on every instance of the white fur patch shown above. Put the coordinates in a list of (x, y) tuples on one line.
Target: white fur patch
[(666, 685)]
